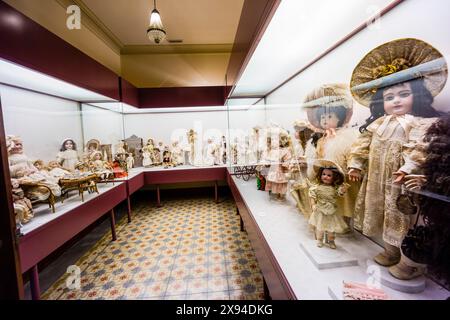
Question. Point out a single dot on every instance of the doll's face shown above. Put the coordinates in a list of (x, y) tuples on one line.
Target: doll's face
[(68, 145), (398, 100), (98, 156), (53, 164), (17, 149), (327, 176), (329, 120), (284, 140)]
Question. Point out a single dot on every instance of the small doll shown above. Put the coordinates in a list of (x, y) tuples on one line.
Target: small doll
[(167, 158), (117, 170), (68, 155), (192, 137), (161, 151), (177, 154), (279, 158), (223, 150), (262, 169), (156, 156), (99, 166), (57, 171), (130, 161), (324, 195), (22, 205), (390, 144), (147, 156), (210, 151)]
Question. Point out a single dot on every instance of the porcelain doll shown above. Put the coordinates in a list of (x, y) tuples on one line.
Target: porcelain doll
[(279, 158), (262, 169), (120, 148), (147, 156), (156, 156), (100, 167), (177, 154), (23, 169), (324, 194), (192, 137), (22, 205), (92, 146), (68, 155), (223, 150), (161, 151), (210, 153), (330, 109), (299, 186), (45, 170), (130, 161), (389, 146), (167, 158)]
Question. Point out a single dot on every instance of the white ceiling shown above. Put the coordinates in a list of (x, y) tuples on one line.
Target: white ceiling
[(299, 32), (193, 21)]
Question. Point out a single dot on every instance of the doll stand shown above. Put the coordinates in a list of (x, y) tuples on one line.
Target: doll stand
[(327, 258)]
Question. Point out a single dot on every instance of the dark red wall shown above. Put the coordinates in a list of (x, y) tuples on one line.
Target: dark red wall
[(129, 93), (25, 42), (182, 97)]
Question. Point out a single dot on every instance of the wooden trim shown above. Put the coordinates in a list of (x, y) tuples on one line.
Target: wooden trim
[(10, 274)]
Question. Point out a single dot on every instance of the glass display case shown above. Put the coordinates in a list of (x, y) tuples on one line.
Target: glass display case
[(350, 165)]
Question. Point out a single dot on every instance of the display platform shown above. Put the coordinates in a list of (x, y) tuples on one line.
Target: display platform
[(284, 228), (43, 214)]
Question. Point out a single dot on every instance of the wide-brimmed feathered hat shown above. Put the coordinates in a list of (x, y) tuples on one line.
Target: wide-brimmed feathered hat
[(395, 62), (328, 95)]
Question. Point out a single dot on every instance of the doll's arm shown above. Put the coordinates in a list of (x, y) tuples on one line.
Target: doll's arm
[(313, 197), (342, 189), (414, 151)]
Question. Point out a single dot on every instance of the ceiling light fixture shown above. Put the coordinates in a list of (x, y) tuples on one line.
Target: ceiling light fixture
[(156, 30)]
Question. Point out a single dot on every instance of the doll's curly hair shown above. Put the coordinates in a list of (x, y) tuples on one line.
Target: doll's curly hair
[(435, 208), (338, 178)]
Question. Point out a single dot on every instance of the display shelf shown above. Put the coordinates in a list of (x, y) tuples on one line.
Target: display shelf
[(285, 229), (43, 214)]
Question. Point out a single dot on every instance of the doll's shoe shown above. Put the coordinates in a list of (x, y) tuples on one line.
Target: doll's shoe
[(389, 257), (404, 271), (320, 243), (331, 244)]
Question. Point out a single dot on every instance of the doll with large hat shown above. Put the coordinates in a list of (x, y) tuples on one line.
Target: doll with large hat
[(329, 108), (397, 81)]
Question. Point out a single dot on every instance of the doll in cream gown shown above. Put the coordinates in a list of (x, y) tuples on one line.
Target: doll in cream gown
[(390, 145)]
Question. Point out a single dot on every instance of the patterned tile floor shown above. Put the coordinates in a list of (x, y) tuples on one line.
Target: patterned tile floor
[(188, 249)]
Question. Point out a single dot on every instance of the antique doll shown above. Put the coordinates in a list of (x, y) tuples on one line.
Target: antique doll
[(299, 186), (389, 146), (120, 148), (177, 154), (262, 169), (279, 158), (329, 109), (147, 156), (22, 205), (324, 194), (430, 191), (22, 168), (192, 137), (68, 155), (210, 153), (118, 170), (161, 151), (167, 157), (91, 146), (156, 156), (130, 161), (100, 167), (57, 171), (223, 150)]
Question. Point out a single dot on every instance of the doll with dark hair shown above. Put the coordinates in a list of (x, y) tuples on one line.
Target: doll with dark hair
[(324, 218), (329, 109), (67, 155), (434, 210), (390, 145)]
